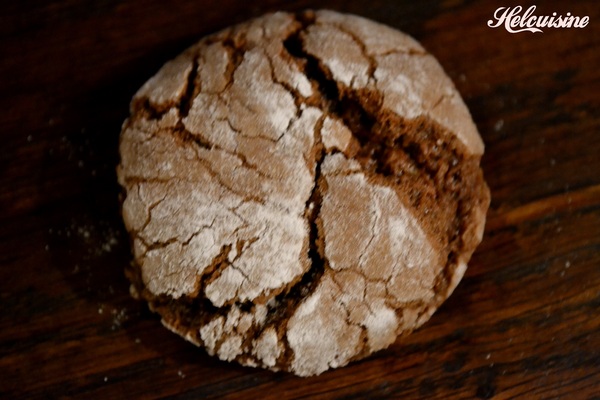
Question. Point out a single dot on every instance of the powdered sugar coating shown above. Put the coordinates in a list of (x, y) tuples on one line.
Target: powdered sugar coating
[(260, 231)]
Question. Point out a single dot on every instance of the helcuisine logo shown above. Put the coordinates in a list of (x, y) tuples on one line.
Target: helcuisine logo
[(514, 22)]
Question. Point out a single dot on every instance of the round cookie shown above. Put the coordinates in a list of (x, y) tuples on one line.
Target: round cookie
[(300, 190)]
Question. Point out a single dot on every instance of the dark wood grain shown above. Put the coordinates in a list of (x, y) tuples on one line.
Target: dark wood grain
[(524, 323)]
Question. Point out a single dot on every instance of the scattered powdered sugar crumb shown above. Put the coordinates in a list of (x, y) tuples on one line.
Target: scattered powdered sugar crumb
[(83, 232), (498, 125), (98, 239), (119, 317), (181, 374), (109, 244)]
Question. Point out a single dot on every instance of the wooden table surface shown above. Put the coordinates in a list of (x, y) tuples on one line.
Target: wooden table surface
[(524, 322)]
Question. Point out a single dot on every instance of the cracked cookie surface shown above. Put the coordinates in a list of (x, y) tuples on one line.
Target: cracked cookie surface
[(300, 190)]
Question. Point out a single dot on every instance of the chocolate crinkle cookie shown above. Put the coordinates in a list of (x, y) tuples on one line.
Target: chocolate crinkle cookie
[(300, 190)]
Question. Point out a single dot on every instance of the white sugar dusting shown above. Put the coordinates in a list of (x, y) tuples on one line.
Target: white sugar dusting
[(224, 193)]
